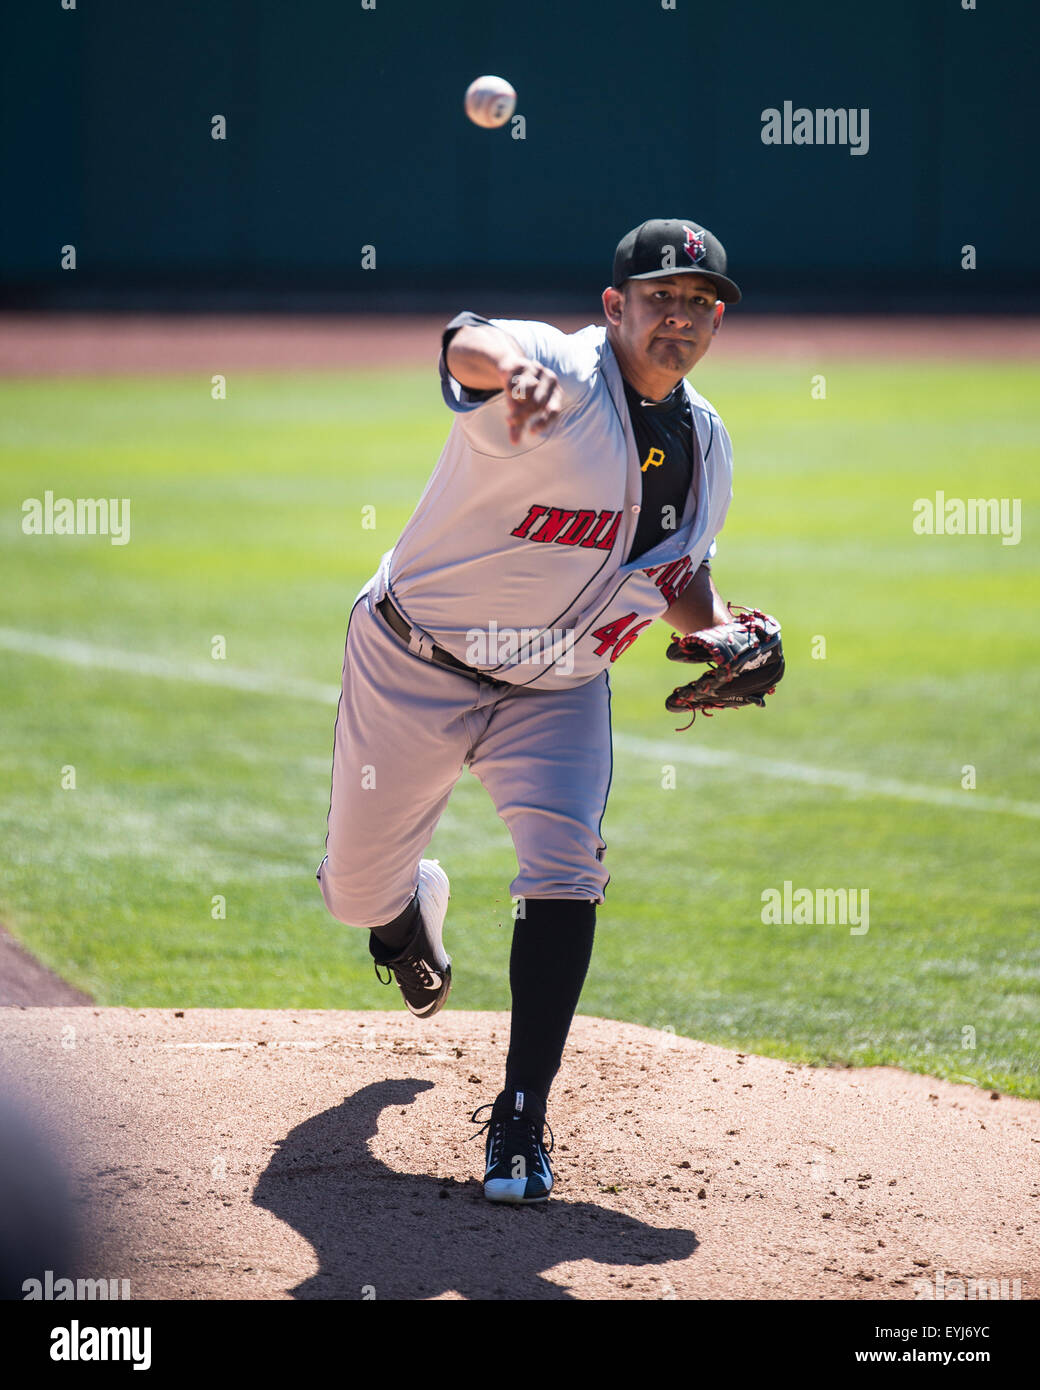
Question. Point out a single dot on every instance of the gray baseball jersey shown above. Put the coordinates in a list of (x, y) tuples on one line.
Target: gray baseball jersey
[(532, 538), (514, 562)]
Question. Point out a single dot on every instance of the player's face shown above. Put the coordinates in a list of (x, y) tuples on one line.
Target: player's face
[(668, 322), (660, 329)]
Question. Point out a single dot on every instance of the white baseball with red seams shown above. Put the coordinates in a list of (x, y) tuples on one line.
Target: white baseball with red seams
[(490, 101)]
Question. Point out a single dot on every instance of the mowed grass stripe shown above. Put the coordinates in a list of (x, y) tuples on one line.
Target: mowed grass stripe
[(266, 683)]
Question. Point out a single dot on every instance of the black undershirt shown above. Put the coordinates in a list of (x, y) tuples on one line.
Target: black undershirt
[(664, 443)]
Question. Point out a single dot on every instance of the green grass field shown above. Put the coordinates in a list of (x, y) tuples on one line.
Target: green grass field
[(246, 522)]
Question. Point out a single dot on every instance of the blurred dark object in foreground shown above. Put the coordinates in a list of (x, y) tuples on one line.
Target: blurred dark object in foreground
[(38, 1227)]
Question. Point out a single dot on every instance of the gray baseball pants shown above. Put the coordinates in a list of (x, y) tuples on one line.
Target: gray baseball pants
[(407, 727)]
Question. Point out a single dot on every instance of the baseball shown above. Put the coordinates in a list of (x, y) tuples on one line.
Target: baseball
[(490, 101)]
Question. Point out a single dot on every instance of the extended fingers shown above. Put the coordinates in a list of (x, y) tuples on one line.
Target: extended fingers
[(542, 403), (553, 404), (536, 398)]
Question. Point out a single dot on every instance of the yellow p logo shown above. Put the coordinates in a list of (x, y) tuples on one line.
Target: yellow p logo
[(654, 459)]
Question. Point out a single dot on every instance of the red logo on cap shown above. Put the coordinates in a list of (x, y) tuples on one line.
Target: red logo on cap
[(694, 247)]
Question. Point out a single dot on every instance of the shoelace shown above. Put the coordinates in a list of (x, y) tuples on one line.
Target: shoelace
[(528, 1129), (413, 971)]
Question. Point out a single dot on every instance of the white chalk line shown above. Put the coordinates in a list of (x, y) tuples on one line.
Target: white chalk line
[(216, 673), (211, 672), (856, 783), (308, 1045)]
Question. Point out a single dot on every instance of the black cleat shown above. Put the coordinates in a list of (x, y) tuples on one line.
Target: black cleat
[(516, 1160), (423, 970)]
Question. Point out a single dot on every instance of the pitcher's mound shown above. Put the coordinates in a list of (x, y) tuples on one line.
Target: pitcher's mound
[(256, 1154)]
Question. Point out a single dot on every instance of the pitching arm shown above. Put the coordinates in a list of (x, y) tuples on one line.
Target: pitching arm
[(483, 357)]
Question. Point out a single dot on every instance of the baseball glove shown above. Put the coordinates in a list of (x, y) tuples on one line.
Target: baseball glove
[(746, 662)]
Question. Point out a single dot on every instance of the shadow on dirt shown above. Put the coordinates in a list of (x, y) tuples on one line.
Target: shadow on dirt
[(384, 1234)]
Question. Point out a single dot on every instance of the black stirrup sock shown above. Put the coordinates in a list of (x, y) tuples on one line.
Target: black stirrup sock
[(552, 946)]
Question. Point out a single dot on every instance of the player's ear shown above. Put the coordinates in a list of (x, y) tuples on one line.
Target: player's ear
[(613, 304), (720, 309)]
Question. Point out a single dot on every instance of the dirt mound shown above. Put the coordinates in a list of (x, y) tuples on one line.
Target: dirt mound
[(259, 1154)]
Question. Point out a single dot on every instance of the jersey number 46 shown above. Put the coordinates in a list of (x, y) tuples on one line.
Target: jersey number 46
[(614, 635)]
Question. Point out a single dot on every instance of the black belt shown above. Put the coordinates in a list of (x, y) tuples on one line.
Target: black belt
[(397, 623)]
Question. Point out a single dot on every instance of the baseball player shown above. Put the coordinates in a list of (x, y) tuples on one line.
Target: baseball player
[(577, 499)]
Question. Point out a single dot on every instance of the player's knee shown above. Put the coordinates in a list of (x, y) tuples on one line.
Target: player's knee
[(561, 861), (579, 875), (355, 901), (342, 901)]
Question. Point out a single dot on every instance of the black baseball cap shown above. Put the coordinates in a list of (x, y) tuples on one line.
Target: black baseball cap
[(668, 245)]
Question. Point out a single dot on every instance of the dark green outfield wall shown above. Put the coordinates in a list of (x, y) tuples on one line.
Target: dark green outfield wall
[(344, 129)]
